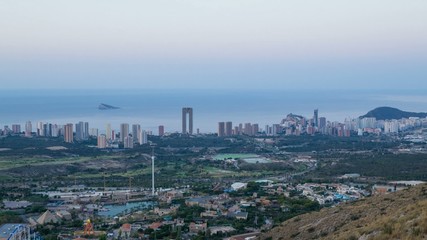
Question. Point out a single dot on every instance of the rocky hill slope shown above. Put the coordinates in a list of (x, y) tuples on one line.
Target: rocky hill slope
[(400, 215)]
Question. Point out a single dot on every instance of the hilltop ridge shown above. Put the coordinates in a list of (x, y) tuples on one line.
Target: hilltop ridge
[(400, 215)]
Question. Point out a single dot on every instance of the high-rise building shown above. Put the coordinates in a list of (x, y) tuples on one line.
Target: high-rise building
[(255, 129), (221, 129), (16, 128), (128, 142), (39, 129), (267, 130), (113, 135), (368, 122), (108, 132), (93, 132), (310, 130), (322, 122), (55, 130), (68, 133), (276, 129), (124, 131), (80, 131), (143, 137), (187, 111), (228, 128), (7, 130), (86, 131), (47, 130), (391, 126), (248, 129), (316, 117), (102, 141), (161, 130), (136, 128), (28, 129)]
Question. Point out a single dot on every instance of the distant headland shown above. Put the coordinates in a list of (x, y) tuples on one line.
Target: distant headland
[(388, 113)]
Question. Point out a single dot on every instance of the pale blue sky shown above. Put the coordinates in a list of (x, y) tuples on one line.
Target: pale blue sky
[(241, 44)]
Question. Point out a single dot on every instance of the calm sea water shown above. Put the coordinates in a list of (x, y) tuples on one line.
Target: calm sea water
[(151, 108)]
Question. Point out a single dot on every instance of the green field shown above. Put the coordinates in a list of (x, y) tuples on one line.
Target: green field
[(234, 156), (249, 158)]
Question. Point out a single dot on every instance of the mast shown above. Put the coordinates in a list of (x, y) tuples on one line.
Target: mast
[(152, 172)]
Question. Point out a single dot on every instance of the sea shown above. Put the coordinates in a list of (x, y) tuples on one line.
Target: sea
[(151, 108)]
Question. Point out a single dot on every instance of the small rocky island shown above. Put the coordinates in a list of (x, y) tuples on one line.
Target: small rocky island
[(104, 106)]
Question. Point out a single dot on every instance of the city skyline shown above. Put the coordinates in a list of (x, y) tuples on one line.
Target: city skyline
[(290, 125), (213, 45)]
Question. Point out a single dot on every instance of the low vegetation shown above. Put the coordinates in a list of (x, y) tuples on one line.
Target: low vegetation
[(400, 215)]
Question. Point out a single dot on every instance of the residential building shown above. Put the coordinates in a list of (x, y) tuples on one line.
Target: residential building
[(102, 141), (124, 131), (221, 129), (68, 133), (228, 128)]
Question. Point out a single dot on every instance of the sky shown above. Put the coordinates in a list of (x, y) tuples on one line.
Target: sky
[(213, 44)]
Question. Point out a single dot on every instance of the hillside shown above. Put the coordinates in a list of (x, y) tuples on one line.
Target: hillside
[(400, 215), (388, 113)]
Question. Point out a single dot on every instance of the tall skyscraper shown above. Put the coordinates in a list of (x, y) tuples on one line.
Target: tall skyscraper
[(228, 128), (189, 111), (47, 130), (161, 130), (221, 129), (86, 131), (108, 132), (136, 128), (316, 117), (28, 129), (68, 133), (124, 131), (80, 131)]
